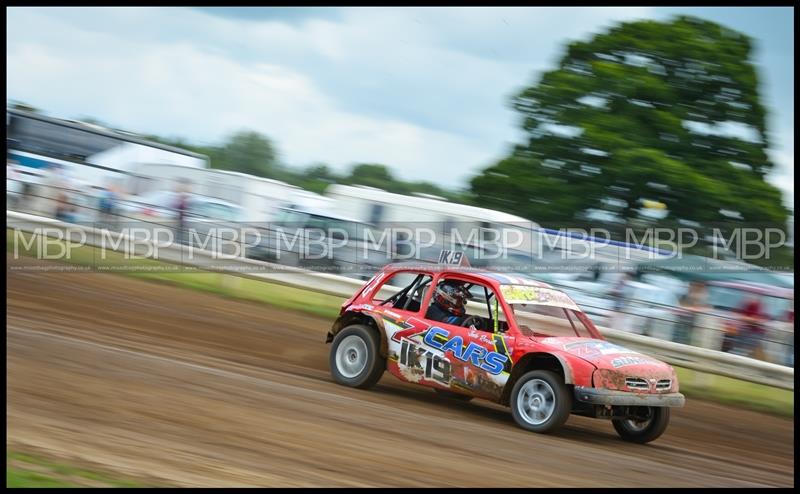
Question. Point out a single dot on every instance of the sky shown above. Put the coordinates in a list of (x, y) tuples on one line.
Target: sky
[(425, 91)]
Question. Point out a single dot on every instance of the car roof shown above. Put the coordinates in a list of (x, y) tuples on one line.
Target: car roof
[(492, 277)]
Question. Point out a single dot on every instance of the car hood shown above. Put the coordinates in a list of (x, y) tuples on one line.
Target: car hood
[(605, 355)]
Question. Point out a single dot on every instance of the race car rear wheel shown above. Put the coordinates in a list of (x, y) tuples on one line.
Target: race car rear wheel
[(540, 401), (653, 423), (355, 357)]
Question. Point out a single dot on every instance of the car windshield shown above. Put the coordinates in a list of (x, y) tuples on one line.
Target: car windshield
[(545, 311), (548, 320), (540, 295)]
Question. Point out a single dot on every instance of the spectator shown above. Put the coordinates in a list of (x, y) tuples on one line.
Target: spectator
[(56, 192), (182, 210), (692, 304), (618, 319), (729, 336), (751, 328), (108, 205), (618, 291)]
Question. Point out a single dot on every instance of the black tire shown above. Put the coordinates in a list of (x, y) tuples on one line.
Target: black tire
[(550, 387), (363, 342), (649, 431), (452, 395)]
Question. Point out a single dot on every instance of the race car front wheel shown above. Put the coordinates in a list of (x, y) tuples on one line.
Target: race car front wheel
[(355, 357), (652, 423), (540, 401)]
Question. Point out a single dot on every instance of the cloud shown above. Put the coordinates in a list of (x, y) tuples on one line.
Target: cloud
[(283, 14), (424, 91), (306, 124)]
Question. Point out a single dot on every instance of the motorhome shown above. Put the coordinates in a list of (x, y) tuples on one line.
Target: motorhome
[(451, 223), (88, 153), (259, 197), (524, 241)]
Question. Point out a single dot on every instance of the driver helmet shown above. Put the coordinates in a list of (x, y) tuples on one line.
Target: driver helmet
[(452, 297)]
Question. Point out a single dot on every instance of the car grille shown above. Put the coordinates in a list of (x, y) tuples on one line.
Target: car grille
[(636, 383), (641, 384)]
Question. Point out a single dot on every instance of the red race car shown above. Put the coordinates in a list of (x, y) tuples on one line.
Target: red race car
[(468, 333)]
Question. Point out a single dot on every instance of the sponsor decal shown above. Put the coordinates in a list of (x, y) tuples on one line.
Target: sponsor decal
[(404, 329), (486, 339), (501, 348), (453, 258), (481, 336), (623, 361), (593, 348), (435, 367), (374, 283), (391, 327), (491, 362), (521, 294)]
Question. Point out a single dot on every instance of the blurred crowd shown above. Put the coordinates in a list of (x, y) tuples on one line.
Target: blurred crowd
[(738, 318), (740, 324)]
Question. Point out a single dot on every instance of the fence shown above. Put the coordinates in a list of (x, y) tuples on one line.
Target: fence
[(701, 359), (360, 259)]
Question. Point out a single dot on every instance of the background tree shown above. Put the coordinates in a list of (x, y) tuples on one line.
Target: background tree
[(669, 112), (373, 175), (246, 152), (315, 178)]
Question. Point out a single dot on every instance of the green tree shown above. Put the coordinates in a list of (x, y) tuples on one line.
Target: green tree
[(664, 111), (321, 172), (315, 178), (375, 175), (246, 152)]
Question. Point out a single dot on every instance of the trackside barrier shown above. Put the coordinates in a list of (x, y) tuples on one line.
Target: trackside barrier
[(690, 357)]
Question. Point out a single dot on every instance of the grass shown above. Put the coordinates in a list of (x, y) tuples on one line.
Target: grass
[(281, 296), (26, 470), (721, 389), (693, 384)]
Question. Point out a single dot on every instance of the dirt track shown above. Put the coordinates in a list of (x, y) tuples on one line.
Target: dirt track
[(157, 382)]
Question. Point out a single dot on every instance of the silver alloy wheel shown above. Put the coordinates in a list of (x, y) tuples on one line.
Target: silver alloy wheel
[(536, 401), (351, 356)]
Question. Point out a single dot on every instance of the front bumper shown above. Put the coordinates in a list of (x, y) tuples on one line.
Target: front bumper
[(597, 396)]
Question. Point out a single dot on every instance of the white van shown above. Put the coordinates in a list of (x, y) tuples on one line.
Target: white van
[(525, 243), (258, 197), (458, 224)]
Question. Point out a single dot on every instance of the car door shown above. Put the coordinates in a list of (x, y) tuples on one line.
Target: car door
[(402, 320), (466, 360)]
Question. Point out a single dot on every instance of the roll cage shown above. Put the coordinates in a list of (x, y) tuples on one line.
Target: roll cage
[(405, 298)]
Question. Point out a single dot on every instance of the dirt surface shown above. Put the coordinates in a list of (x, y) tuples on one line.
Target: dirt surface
[(158, 382)]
